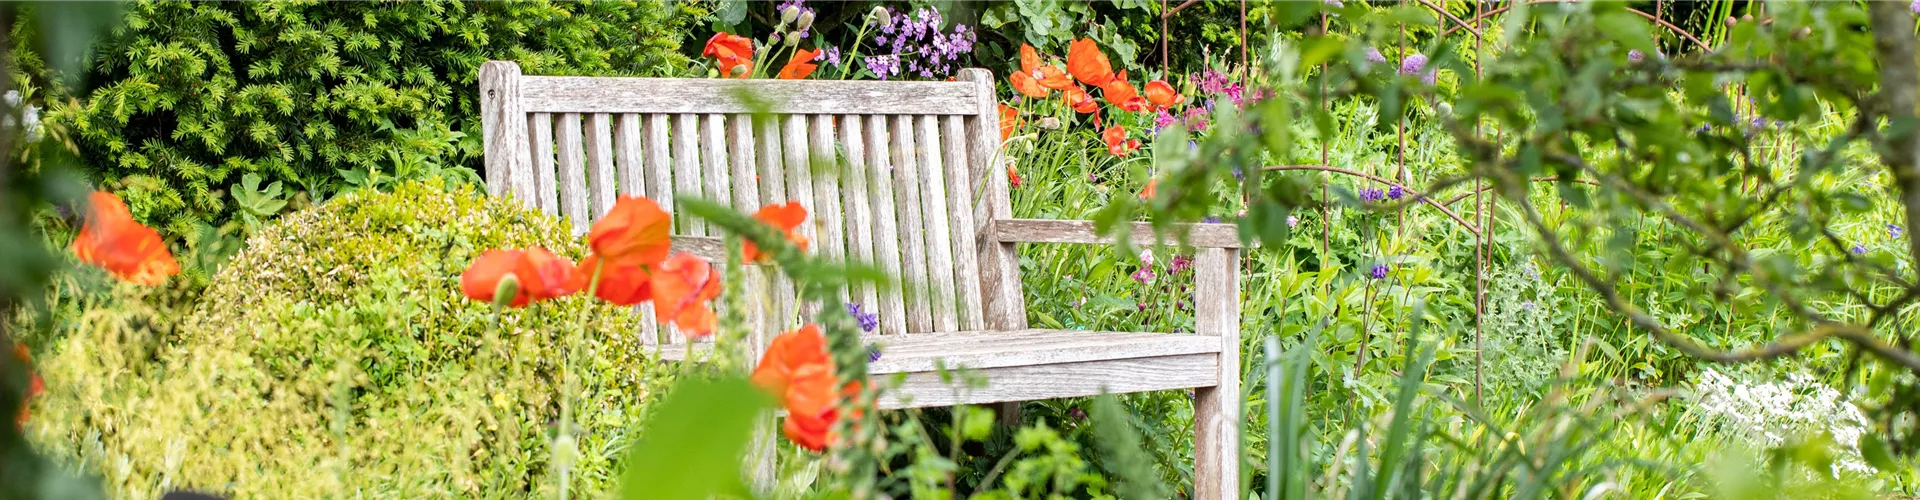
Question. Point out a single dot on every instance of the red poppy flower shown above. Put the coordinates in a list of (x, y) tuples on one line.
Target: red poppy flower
[(619, 285), (1009, 121), (786, 217), (1117, 141), (634, 233), (1088, 64), (798, 370), (541, 275), (805, 345), (35, 385), (730, 51), (1161, 94), (1013, 176), (1080, 101), (800, 66), (1040, 76), (1121, 93), (1153, 188), (128, 250), (682, 288), (1026, 85)]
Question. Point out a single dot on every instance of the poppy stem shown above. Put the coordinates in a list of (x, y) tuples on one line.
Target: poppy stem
[(566, 382)]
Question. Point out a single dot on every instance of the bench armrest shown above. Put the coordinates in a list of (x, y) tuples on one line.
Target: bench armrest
[(1082, 232)]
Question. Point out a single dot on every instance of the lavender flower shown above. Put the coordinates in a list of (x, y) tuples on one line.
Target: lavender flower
[(1635, 55), (1859, 249), (873, 353), (1211, 219), (1412, 65), (1915, 6), (1371, 194), (1893, 231), (830, 54), (1379, 271), (1396, 192), (868, 321), (1293, 221), (883, 66), (1143, 276), (928, 52)]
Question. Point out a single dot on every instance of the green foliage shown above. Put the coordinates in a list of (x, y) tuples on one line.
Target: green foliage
[(694, 442), (336, 354), (184, 99)]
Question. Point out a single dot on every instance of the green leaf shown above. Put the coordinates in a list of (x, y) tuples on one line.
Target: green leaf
[(977, 423), (1875, 451), (731, 12), (1627, 30), (693, 446)]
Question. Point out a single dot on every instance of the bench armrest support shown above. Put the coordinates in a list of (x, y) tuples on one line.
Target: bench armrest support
[(1082, 232)]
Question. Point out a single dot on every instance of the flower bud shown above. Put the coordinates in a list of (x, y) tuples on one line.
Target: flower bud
[(789, 14), (1050, 123), (741, 70), (565, 450), (806, 21), (1445, 109), (503, 293), (793, 39), (877, 15), (773, 38)]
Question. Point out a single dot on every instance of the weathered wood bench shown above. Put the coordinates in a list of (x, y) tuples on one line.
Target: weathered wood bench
[(922, 194)]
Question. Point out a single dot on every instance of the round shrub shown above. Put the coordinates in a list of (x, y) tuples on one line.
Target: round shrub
[(335, 356)]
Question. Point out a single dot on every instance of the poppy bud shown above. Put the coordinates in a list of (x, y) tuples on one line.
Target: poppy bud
[(504, 292), (773, 38), (740, 70), (1050, 123), (1445, 109), (1731, 21), (793, 39), (789, 15), (806, 20), (877, 15)]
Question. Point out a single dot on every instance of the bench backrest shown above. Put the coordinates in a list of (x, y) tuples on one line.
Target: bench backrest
[(915, 193)]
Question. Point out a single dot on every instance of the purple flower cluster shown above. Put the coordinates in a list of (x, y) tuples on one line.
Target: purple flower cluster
[(868, 321), (1374, 56), (1181, 264), (1379, 271), (1293, 221), (1396, 192), (1635, 55), (1162, 120), (1414, 63), (1893, 231), (919, 48), (1859, 249), (830, 54), (1372, 194), (1196, 119), (1144, 275), (873, 353)]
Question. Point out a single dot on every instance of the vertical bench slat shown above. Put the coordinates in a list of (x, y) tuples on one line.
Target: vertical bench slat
[(960, 203), (913, 224), (660, 189), (504, 123), (600, 164), (740, 145), (858, 205), (886, 225), (716, 171), (933, 210), (826, 191), (627, 145), (541, 126), (999, 264), (799, 170), (686, 171), (573, 175), (773, 188)]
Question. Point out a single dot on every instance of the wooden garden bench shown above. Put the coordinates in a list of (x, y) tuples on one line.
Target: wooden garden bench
[(923, 195)]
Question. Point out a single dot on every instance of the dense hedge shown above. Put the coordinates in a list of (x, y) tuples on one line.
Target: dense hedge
[(185, 98), (335, 357)]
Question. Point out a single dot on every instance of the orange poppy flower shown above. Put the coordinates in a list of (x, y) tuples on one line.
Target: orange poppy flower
[(1153, 188), (1046, 75), (1120, 92), (1088, 64), (619, 285), (634, 233), (1013, 176), (682, 288), (541, 274), (127, 249), (786, 217), (35, 385), (1161, 94), (1009, 120), (1080, 101), (1117, 141), (730, 51), (800, 66), (1026, 85), (798, 370)]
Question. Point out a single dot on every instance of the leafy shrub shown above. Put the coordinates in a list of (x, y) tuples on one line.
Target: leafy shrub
[(187, 97), (336, 354)]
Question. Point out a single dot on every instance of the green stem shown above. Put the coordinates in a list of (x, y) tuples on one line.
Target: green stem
[(566, 379)]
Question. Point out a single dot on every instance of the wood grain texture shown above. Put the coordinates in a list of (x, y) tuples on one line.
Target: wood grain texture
[(716, 171), (572, 172), (600, 184), (773, 189), (709, 95), (1217, 410), (999, 263), (687, 172), (960, 203), (1082, 232), (933, 197), (627, 147), (993, 349), (1065, 380), (545, 187), (857, 202), (827, 212), (743, 168), (659, 160), (503, 126), (799, 169), (892, 307), (912, 226)]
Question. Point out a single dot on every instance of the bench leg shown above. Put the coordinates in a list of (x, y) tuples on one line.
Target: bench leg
[(761, 454), (1216, 410)]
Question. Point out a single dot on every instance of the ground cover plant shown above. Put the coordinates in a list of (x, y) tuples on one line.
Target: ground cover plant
[(1507, 249)]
